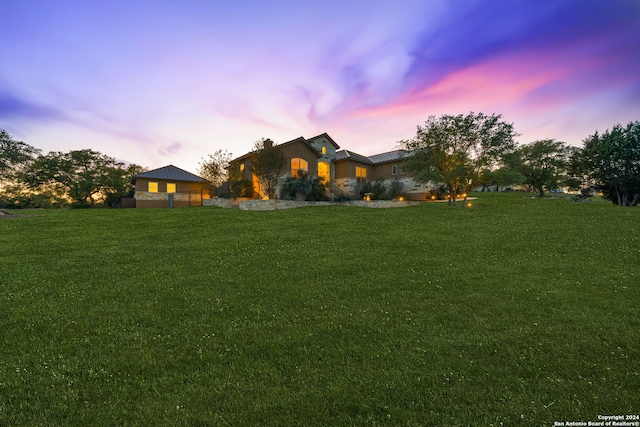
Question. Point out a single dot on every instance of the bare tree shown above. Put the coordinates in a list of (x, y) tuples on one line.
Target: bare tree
[(214, 167), (268, 164)]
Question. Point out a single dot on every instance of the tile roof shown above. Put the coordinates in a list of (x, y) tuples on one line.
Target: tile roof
[(170, 173)]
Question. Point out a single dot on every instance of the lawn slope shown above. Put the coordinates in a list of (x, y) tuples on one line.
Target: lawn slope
[(515, 312)]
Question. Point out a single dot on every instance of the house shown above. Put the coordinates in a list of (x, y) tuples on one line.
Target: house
[(343, 171), (169, 186)]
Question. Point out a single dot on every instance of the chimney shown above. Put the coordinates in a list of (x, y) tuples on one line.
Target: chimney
[(268, 143)]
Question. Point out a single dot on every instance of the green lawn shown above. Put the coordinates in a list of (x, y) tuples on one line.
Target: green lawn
[(517, 311)]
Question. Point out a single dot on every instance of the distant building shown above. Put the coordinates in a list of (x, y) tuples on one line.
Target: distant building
[(169, 185)]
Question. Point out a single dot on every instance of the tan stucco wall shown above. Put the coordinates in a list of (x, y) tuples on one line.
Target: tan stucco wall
[(160, 199)]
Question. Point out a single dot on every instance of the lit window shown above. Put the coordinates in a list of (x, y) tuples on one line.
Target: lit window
[(241, 167), (297, 165), (324, 150), (153, 187), (361, 173), (171, 187), (394, 170)]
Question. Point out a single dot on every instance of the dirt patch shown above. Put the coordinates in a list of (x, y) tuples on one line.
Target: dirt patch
[(4, 214)]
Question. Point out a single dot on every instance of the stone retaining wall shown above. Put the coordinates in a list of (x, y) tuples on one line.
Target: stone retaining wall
[(274, 205)]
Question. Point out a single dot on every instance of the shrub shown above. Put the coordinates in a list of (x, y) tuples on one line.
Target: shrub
[(379, 190), (396, 189), (304, 187)]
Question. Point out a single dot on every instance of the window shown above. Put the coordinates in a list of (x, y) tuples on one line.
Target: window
[(402, 170), (394, 170), (241, 167), (153, 187), (324, 150), (361, 174), (297, 165), (171, 187)]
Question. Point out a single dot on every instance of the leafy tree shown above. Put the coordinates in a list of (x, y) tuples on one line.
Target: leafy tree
[(543, 164), (612, 161), (268, 164), (84, 176), (503, 176), (215, 167), (579, 176), (457, 150), (14, 155)]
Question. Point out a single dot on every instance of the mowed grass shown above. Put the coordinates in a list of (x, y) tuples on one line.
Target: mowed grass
[(515, 312)]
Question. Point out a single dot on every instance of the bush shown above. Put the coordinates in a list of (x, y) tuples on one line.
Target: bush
[(439, 192), (304, 187), (379, 190), (241, 188), (396, 189), (342, 197)]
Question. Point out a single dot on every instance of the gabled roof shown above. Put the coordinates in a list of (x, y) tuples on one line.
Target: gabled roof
[(301, 139), (327, 137), (391, 156), (350, 155), (169, 173)]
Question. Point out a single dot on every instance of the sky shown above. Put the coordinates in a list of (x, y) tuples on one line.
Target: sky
[(157, 82)]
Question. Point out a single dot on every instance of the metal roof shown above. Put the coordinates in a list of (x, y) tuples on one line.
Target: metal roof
[(391, 156), (350, 155), (169, 173)]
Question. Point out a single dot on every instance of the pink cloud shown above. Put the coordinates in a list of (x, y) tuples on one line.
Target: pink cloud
[(491, 85)]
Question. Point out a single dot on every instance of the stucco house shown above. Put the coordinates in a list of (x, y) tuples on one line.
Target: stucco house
[(344, 171), (169, 186)]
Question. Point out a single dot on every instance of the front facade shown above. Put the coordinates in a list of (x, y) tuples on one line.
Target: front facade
[(343, 171), (169, 186)]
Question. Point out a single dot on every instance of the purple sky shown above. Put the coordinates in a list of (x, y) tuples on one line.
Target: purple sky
[(167, 82)]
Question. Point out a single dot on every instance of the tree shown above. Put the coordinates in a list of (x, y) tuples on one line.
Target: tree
[(457, 150), (543, 164), (612, 161), (215, 167), (84, 176), (502, 176), (14, 155), (268, 164)]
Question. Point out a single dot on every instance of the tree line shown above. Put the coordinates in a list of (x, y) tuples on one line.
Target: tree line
[(461, 152), (78, 178), (465, 152)]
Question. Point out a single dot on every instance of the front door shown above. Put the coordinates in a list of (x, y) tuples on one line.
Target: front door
[(324, 172)]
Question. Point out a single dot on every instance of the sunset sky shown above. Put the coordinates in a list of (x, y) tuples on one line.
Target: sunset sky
[(158, 82)]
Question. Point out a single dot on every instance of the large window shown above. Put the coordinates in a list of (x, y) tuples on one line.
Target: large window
[(153, 187), (297, 165), (361, 174), (171, 187)]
